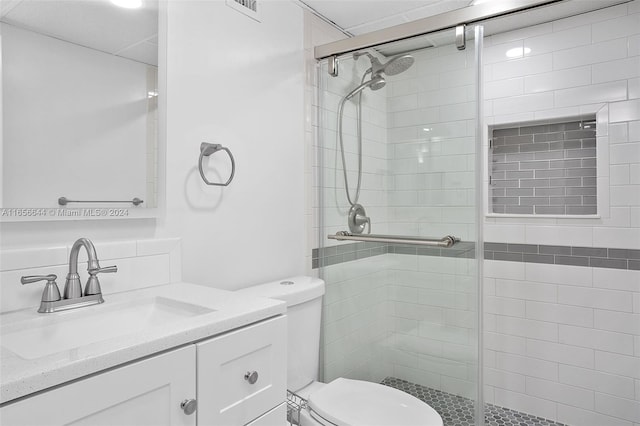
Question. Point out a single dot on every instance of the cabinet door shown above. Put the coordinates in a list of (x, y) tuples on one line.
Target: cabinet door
[(147, 392), (225, 396)]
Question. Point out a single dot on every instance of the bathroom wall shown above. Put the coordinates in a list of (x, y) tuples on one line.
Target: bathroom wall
[(234, 81), (563, 341)]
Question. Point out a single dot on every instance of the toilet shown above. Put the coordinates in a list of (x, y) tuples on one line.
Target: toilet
[(342, 402)]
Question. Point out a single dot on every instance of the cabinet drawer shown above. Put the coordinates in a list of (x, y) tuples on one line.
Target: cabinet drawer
[(275, 417), (225, 396)]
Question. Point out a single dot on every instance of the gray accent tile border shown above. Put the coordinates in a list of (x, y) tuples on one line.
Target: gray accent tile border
[(595, 257)]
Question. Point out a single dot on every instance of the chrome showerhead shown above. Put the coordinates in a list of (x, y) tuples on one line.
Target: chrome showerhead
[(398, 64)]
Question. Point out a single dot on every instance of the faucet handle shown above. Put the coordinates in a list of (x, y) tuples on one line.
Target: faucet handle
[(106, 269), (93, 284), (51, 292)]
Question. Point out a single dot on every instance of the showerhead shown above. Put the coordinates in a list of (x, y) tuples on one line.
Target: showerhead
[(398, 64), (375, 83)]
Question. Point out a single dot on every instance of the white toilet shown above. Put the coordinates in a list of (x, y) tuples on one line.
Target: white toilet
[(341, 402)]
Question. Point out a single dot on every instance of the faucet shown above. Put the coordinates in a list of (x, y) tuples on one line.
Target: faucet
[(72, 286), (73, 294)]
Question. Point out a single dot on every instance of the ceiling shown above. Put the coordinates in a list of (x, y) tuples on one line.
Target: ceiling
[(98, 24)]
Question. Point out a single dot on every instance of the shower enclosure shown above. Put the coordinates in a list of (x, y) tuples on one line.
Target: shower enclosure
[(398, 156)]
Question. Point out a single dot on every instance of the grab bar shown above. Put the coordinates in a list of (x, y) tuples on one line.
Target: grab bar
[(63, 201), (206, 149), (445, 242)]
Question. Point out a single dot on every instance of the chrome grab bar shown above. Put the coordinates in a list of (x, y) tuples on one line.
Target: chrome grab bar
[(444, 242)]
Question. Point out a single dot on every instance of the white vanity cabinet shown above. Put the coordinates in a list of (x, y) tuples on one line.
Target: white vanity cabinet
[(150, 391)]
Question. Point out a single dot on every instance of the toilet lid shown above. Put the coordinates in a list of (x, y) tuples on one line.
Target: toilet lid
[(346, 402)]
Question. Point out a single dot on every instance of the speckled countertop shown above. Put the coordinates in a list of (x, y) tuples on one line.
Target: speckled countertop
[(209, 312)]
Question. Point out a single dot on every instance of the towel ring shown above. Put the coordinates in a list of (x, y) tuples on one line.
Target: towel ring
[(206, 149)]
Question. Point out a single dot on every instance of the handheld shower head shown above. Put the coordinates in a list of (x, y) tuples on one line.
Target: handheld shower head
[(375, 83)]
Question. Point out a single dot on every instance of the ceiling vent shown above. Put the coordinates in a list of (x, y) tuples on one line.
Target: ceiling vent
[(246, 7)]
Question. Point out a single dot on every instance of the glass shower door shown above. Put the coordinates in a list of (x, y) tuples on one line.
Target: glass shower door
[(398, 137)]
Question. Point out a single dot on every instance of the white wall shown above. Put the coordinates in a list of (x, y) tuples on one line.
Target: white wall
[(234, 81)]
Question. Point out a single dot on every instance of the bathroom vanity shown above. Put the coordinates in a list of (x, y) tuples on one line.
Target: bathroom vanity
[(179, 354)]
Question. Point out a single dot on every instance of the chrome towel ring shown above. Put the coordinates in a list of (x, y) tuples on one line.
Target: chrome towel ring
[(206, 149)]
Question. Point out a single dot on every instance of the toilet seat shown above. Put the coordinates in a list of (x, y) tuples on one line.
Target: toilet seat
[(346, 402)]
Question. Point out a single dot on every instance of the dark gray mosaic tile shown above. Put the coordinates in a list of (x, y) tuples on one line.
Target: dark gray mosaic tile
[(459, 411)]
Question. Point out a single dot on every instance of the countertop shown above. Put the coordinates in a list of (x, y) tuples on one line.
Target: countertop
[(229, 310)]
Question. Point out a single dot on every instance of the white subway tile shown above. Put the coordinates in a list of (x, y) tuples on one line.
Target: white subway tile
[(505, 343), (597, 339), (590, 17), (577, 416), (464, 388), (621, 69), (526, 290), (157, 246), (595, 298), (523, 67), (619, 174), (597, 93), (616, 279), (624, 111), (593, 54), (626, 238), (504, 306), (617, 321), (527, 328), (555, 80), (403, 103), (634, 88), (504, 233), (525, 403), (498, 52), (570, 395), (525, 103), (597, 380), (634, 131), (559, 235), (558, 274), (504, 380), (616, 28), (564, 354), (560, 40), (623, 365), (627, 195), (618, 407), (562, 314), (33, 258), (521, 33)]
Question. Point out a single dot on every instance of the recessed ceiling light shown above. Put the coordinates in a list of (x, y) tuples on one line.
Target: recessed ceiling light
[(518, 52), (128, 4)]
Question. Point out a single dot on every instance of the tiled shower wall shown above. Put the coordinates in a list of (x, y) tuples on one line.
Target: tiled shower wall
[(562, 341)]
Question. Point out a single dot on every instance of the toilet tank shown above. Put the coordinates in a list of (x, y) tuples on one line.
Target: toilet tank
[(303, 296)]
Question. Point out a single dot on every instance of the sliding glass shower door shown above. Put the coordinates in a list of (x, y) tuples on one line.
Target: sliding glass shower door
[(398, 151)]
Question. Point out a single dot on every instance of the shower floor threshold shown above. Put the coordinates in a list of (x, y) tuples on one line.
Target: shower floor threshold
[(459, 411)]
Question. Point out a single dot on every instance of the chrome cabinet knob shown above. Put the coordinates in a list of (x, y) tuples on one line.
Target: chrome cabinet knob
[(189, 406), (251, 377)]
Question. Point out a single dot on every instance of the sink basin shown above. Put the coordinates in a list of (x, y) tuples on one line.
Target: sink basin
[(51, 333)]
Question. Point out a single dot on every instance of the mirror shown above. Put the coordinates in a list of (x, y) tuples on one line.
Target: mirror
[(80, 108)]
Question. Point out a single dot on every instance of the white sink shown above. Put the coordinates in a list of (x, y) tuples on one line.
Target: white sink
[(52, 333)]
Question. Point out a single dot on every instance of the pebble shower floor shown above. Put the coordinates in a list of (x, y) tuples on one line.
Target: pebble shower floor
[(459, 411)]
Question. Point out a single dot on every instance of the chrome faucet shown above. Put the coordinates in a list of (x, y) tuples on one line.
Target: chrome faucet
[(72, 286), (73, 295)]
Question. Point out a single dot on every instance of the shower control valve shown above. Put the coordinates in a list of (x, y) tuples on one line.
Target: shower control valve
[(358, 219)]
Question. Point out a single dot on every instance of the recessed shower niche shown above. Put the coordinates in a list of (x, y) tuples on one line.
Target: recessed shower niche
[(543, 168)]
